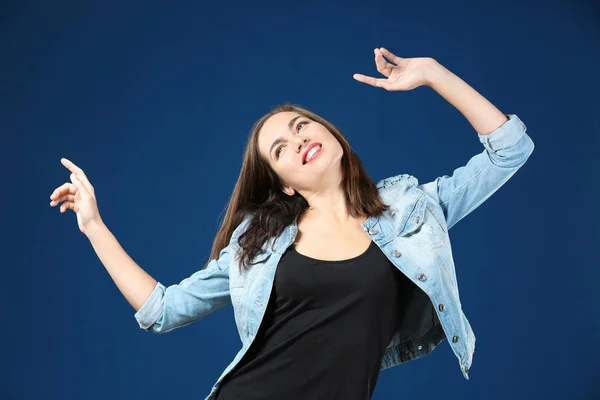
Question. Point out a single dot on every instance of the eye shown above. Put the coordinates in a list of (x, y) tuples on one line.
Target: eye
[(277, 152), (280, 147), (300, 123)]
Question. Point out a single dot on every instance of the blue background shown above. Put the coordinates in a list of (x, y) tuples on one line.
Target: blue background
[(155, 101)]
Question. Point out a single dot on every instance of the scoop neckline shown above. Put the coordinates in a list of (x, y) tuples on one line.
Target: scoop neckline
[(371, 246)]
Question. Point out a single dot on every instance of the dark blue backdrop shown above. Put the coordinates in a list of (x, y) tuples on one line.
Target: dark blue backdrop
[(155, 101)]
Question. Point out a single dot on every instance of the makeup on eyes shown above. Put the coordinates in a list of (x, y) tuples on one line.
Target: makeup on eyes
[(280, 147)]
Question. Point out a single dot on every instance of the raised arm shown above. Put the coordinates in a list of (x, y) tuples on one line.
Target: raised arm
[(134, 283), (79, 195), (507, 146), (506, 150), (503, 136)]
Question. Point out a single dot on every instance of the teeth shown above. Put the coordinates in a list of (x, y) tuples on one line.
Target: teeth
[(311, 153)]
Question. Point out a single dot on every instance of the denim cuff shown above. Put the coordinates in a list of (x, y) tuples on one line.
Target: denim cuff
[(506, 135), (149, 312)]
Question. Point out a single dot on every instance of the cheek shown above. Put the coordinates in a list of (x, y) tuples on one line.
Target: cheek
[(291, 168), (290, 161), (285, 170)]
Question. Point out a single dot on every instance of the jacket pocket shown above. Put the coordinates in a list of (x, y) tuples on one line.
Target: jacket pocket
[(423, 226)]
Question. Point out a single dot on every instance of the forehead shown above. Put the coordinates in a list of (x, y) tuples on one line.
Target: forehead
[(277, 124), (274, 127)]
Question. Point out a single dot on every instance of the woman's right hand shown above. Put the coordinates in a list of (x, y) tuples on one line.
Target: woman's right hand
[(77, 195)]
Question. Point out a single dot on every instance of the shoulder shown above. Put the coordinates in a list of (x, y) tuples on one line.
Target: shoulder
[(241, 227), (396, 181)]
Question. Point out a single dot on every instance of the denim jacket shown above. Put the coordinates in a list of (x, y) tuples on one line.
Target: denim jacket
[(412, 233)]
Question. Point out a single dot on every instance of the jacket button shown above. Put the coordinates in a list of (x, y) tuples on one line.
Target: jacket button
[(441, 307), (372, 231), (417, 219), (455, 338), (422, 277), (396, 253)]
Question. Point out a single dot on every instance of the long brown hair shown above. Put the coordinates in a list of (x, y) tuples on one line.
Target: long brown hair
[(257, 193)]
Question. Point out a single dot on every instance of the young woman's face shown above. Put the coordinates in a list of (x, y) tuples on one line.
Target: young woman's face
[(283, 141)]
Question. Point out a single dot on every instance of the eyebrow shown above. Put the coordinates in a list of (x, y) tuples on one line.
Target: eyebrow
[(280, 139)]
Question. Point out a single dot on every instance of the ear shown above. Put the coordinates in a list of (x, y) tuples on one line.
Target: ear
[(288, 190)]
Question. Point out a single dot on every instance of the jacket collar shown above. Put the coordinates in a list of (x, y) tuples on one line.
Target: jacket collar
[(410, 219)]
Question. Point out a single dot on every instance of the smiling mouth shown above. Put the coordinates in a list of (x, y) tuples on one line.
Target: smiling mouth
[(315, 154)]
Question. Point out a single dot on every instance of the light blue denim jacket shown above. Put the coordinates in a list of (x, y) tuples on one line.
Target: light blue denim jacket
[(413, 234)]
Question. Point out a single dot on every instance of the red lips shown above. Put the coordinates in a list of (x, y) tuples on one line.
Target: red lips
[(308, 149)]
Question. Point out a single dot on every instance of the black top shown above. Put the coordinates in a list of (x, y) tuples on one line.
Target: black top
[(325, 330)]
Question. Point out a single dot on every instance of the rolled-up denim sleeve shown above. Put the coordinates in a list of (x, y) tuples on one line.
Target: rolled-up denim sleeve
[(195, 297), (506, 149)]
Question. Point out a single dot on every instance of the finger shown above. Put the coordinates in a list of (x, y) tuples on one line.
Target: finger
[(382, 65), (77, 182), (86, 183), (64, 206), (70, 205), (388, 54), (70, 165), (383, 83), (68, 197), (370, 80), (63, 189), (79, 172)]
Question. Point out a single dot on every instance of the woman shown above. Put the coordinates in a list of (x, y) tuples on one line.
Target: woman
[(331, 276)]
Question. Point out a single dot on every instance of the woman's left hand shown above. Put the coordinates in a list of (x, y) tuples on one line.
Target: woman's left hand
[(403, 74)]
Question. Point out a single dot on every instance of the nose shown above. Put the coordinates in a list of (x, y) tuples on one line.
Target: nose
[(302, 142)]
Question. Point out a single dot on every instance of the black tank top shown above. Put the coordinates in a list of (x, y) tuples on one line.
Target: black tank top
[(325, 330)]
